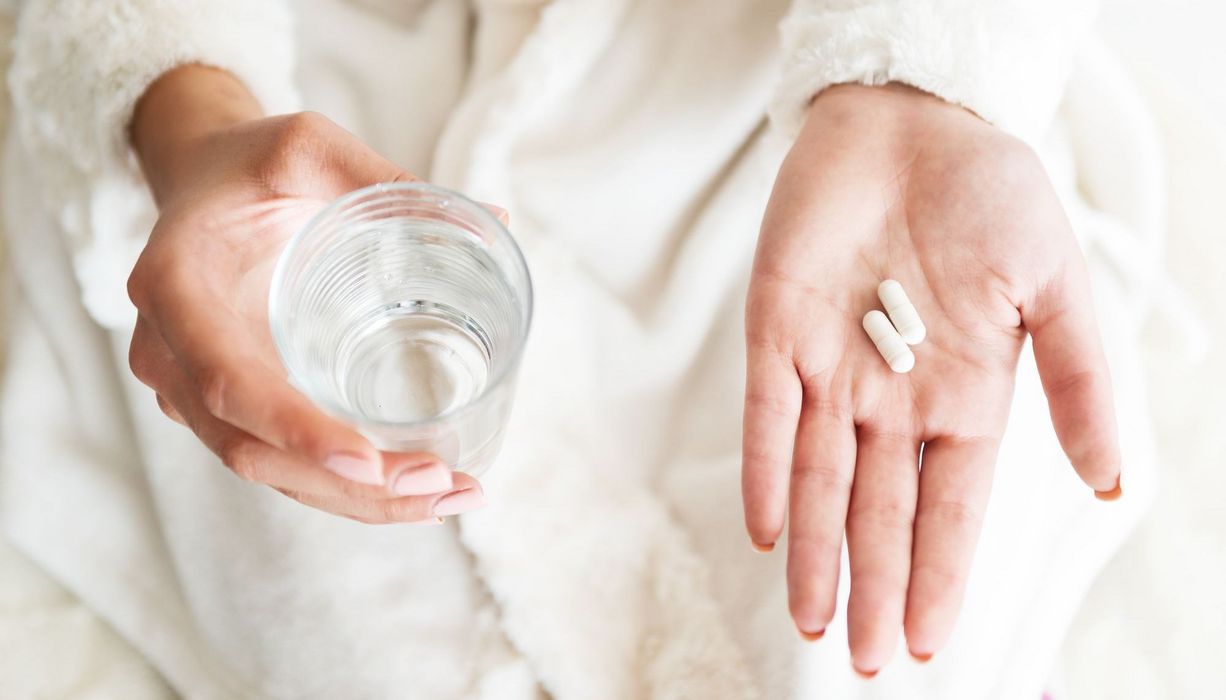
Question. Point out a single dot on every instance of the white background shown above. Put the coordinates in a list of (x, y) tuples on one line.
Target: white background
[(1154, 626)]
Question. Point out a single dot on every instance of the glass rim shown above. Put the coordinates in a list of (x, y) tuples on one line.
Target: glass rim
[(389, 190)]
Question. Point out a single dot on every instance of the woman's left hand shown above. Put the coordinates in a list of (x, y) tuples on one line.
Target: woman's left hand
[(889, 182)]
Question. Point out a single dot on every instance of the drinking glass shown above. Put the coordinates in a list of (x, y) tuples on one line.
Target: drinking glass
[(403, 309)]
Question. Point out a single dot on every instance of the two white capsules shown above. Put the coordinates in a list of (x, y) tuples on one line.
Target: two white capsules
[(903, 327)]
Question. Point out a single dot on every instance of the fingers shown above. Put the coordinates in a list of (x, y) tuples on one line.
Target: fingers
[(1075, 377), (465, 496), (255, 460), (822, 468), (955, 480), (418, 483), (236, 386), (772, 407), (879, 526)]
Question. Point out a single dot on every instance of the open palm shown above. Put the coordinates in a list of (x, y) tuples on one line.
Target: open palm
[(891, 183)]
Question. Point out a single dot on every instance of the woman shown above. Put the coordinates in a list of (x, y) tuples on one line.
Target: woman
[(628, 142)]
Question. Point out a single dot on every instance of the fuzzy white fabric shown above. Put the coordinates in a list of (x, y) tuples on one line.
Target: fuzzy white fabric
[(79, 68), (611, 562), (966, 51)]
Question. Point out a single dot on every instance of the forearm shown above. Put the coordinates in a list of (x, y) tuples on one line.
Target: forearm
[(175, 116)]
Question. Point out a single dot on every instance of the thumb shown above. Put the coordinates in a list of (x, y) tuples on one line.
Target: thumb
[(1076, 380), (361, 166), (364, 167)]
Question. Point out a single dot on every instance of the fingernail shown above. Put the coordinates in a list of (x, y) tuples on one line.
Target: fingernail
[(355, 467), (866, 675), (812, 636), (459, 502), (1111, 495), (922, 658), (764, 548), (420, 481)]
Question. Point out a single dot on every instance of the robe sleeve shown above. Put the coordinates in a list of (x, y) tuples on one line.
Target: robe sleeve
[(1005, 60), (79, 67)]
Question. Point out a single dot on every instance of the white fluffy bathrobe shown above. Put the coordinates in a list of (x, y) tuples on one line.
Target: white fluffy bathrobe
[(630, 141)]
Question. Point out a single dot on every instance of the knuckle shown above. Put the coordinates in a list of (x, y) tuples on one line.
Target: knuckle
[(158, 292), (887, 516), (820, 477), (136, 285), (838, 409), (300, 434), (214, 386), (764, 341), (149, 277), (297, 134), (400, 510), (769, 402), (948, 514), (140, 362), (238, 456), (306, 123), (353, 491), (168, 410)]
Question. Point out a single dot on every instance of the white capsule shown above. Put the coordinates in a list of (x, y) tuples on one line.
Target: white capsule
[(889, 343), (902, 312)]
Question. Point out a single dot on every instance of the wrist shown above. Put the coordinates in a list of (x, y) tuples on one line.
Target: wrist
[(888, 109), (894, 121), (176, 117), (897, 101)]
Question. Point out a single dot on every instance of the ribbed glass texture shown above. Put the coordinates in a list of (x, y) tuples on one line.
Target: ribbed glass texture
[(403, 310)]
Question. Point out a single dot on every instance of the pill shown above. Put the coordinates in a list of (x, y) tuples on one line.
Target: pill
[(902, 312), (889, 343)]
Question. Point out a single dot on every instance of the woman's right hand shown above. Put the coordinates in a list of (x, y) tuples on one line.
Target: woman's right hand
[(231, 187)]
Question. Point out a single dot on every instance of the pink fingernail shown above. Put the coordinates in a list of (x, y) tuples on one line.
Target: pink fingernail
[(419, 481), (355, 467), (459, 502)]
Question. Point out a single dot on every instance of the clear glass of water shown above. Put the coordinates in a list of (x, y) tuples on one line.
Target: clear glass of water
[(402, 309)]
